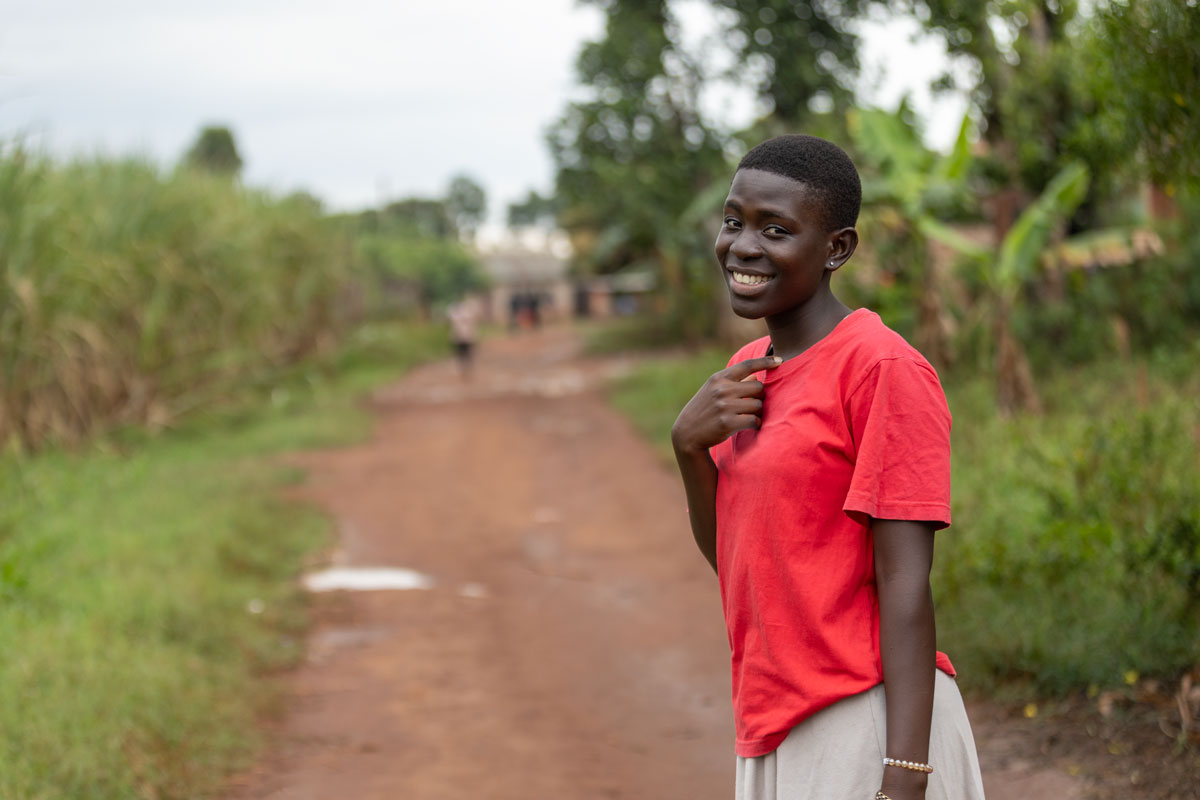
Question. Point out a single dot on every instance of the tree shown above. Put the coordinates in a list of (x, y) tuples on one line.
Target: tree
[(466, 202), (806, 50), (534, 211), (1031, 94), (215, 151), (631, 159), (422, 216), (414, 245), (920, 186), (1147, 71), (436, 271)]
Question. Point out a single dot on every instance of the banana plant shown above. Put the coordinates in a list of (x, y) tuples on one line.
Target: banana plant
[(915, 182), (1017, 260), (1007, 268)]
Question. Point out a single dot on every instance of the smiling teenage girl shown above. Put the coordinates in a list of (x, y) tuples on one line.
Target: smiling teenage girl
[(817, 468)]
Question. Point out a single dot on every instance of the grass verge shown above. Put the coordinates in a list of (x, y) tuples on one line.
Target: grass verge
[(147, 586), (1074, 562)]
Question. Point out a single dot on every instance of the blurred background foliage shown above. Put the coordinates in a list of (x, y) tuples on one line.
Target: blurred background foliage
[(414, 253), (132, 295), (1075, 168)]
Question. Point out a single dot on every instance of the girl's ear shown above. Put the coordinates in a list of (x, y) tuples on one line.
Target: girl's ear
[(842, 243)]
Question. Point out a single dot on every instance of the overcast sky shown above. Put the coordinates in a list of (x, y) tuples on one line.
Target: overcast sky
[(356, 102)]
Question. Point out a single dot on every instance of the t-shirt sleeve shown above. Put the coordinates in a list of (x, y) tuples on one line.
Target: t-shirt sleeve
[(900, 425)]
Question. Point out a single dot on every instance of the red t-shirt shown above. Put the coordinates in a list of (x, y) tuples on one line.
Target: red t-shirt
[(854, 427)]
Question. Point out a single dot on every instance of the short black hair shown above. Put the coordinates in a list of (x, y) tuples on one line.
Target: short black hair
[(819, 164)]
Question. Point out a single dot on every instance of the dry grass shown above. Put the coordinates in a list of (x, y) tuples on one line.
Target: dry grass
[(128, 295)]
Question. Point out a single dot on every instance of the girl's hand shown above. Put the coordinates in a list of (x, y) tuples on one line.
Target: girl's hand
[(725, 404)]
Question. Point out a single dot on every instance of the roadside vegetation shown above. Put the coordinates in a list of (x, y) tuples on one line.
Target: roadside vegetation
[(147, 584), (134, 295), (166, 334), (1074, 561)]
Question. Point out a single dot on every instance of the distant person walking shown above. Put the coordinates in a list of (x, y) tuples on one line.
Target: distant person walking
[(464, 318)]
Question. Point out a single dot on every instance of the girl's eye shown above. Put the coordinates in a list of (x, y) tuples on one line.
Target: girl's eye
[(731, 224), (775, 230)]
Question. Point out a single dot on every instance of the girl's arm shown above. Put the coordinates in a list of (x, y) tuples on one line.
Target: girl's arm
[(700, 485), (725, 404), (907, 643)]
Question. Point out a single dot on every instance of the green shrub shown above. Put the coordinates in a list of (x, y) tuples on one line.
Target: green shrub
[(1076, 557), (1075, 554), (1102, 312)]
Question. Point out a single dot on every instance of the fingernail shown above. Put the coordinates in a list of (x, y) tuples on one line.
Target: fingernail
[(777, 359)]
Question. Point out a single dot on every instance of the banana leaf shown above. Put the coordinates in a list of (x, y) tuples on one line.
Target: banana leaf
[(1022, 247)]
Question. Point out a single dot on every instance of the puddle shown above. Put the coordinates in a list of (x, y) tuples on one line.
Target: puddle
[(366, 579)]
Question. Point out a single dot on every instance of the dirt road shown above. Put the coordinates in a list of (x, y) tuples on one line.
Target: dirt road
[(570, 644)]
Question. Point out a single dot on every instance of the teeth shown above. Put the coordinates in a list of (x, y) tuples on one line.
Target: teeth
[(749, 280)]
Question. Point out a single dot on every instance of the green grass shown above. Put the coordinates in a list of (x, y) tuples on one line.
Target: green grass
[(147, 587), (638, 332), (654, 394), (1074, 561)]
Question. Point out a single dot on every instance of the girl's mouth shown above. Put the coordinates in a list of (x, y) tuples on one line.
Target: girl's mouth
[(746, 279), (746, 284)]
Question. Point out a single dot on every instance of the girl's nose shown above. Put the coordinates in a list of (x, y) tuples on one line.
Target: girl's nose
[(745, 245)]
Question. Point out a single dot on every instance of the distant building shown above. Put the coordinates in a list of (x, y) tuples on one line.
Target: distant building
[(526, 280), (620, 294)]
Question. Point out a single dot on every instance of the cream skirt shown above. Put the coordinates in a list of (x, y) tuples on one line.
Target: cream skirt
[(837, 754)]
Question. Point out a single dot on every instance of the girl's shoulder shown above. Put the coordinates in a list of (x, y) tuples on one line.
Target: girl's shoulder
[(873, 341)]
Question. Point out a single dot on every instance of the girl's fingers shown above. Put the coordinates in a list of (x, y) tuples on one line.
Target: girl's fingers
[(747, 405), (742, 422), (744, 369)]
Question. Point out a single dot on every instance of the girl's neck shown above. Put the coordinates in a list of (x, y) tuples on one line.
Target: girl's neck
[(796, 330)]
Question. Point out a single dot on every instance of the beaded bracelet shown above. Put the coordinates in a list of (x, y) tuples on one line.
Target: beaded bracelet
[(917, 766), (881, 796)]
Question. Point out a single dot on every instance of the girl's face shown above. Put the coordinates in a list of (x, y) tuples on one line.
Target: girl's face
[(773, 246)]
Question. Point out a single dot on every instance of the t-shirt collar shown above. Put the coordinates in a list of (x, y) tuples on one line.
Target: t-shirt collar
[(844, 325)]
